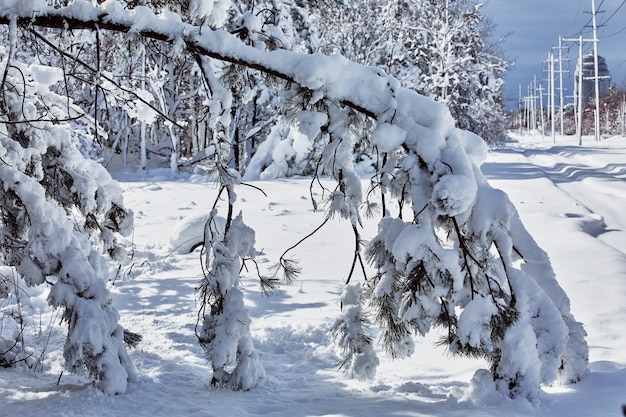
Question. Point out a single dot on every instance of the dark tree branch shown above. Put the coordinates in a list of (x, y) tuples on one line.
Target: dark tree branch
[(55, 19), (467, 254), (357, 255)]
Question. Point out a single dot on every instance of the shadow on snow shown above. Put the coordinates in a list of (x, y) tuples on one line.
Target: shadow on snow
[(561, 172)]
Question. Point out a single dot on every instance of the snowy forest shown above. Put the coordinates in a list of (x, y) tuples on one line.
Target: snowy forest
[(386, 108)]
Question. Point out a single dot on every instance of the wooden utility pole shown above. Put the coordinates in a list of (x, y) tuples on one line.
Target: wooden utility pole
[(623, 114), (579, 92), (520, 106), (579, 122), (532, 107)]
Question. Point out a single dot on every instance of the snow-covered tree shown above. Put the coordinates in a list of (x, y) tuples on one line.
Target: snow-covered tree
[(441, 49), (62, 215), (462, 261), (459, 66), (225, 331)]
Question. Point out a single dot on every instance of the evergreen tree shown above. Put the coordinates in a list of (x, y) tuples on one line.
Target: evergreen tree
[(61, 215)]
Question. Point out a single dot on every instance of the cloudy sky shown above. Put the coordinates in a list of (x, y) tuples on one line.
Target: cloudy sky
[(534, 27)]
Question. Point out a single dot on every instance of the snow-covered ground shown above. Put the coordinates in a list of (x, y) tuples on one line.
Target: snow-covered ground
[(570, 198)]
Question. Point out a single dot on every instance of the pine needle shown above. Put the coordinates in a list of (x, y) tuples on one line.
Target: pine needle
[(290, 270)]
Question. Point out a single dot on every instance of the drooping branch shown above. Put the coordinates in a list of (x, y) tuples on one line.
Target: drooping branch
[(467, 255), (357, 255), (216, 44)]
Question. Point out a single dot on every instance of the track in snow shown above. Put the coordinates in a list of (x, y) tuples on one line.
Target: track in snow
[(594, 179)]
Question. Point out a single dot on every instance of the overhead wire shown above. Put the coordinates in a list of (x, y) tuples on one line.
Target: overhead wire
[(614, 13), (612, 16), (586, 25), (619, 65)]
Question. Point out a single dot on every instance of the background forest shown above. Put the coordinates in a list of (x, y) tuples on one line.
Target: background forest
[(439, 49)]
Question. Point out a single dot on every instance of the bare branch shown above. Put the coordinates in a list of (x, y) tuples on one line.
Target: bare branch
[(101, 75)]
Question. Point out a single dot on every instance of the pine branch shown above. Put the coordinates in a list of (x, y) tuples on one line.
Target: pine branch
[(467, 255), (254, 58), (290, 267), (269, 285), (132, 339), (357, 255)]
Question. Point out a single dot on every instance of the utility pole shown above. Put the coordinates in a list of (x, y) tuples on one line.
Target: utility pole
[(595, 68), (540, 89), (561, 89), (532, 106), (623, 114), (579, 92), (579, 122), (526, 114), (519, 108), (551, 93)]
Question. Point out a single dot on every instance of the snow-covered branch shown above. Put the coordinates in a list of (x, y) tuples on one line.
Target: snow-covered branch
[(309, 71)]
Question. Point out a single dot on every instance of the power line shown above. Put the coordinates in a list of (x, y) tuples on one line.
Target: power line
[(586, 25), (616, 33), (612, 16), (580, 5), (614, 13), (619, 65), (581, 30)]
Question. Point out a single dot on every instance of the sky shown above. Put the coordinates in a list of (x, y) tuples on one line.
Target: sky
[(533, 28)]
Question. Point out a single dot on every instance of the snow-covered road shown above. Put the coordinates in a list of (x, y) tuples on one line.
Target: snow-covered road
[(573, 201), (593, 178)]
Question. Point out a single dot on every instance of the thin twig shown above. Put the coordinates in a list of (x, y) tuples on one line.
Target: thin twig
[(109, 79), (357, 255)]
